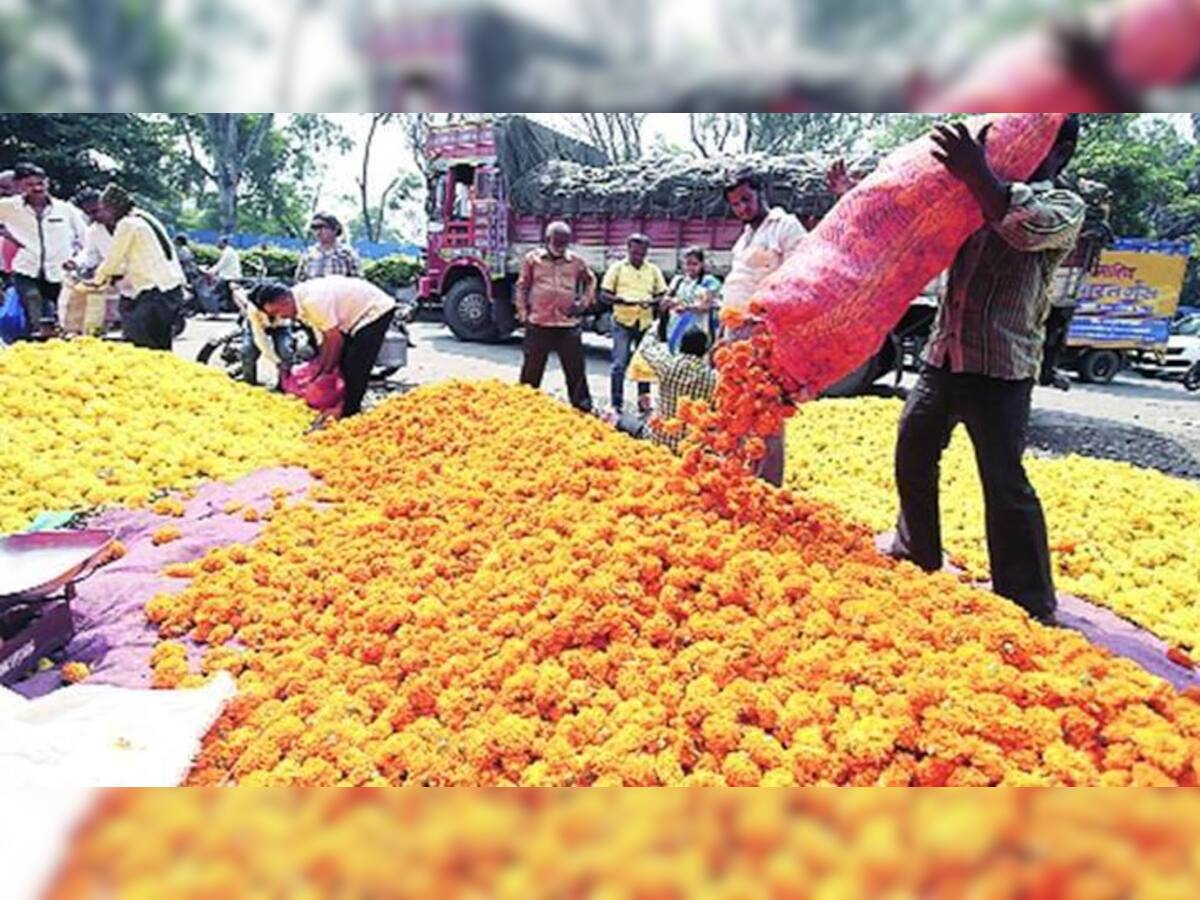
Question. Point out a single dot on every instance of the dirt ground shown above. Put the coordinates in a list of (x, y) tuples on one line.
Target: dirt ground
[(1148, 422)]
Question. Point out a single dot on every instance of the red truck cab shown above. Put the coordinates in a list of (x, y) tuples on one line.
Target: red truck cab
[(468, 230)]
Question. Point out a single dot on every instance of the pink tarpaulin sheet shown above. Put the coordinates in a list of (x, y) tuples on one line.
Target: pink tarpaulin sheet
[(111, 632), (1106, 629)]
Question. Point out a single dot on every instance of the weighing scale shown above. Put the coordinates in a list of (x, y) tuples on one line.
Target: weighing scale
[(38, 571)]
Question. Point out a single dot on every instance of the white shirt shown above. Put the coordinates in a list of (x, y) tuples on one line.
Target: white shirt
[(137, 253), (757, 253), (228, 266), (97, 241), (47, 241), (337, 301)]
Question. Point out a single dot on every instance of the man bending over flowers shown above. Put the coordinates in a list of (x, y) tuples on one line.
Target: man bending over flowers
[(351, 318)]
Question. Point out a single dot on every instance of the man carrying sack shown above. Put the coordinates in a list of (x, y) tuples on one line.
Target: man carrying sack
[(982, 360), (145, 255)]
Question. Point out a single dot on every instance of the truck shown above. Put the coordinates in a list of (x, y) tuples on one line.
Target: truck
[(495, 184), (1124, 307)]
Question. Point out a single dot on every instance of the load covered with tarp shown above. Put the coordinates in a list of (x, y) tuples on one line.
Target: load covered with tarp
[(522, 145), (675, 187)]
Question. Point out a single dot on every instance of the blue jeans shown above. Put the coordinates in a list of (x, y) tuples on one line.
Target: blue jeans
[(625, 340), (281, 338)]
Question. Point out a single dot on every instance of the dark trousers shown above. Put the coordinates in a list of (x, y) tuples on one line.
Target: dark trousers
[(1057, 324), (359, 353), (39, 297), (626, 339), (151, 319), (567, 344), (996, 415)]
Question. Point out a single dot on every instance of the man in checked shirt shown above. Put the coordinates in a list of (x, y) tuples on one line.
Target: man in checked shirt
[(982, 361), (686, 375)]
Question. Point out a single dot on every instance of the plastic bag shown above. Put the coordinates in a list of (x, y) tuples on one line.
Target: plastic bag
[(831, 304), (14, 324), (639, 369), (324, 393), (1151, 43), (82, 311)]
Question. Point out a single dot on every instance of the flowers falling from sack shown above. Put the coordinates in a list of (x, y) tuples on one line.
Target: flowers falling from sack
[(496, 590), (1123, 537), (518, 845), (748, 407), (88, 423)]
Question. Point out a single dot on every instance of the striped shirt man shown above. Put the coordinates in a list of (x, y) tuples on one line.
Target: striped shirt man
[(992, 320)]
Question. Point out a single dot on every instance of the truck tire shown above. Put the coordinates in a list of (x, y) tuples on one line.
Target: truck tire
[(1191, 380), (468, 311), (1099, 366), (504, 309)]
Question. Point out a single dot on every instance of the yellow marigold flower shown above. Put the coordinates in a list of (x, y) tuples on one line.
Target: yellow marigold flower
[(75, 672), (97, 441), (165, 535)]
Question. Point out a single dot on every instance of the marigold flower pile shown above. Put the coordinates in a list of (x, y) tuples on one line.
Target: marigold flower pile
[(87, 423), (1123, 537), (496, 590), (510, 845)]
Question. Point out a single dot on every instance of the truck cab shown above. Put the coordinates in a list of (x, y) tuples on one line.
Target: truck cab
[(467, 231), (469, 269)]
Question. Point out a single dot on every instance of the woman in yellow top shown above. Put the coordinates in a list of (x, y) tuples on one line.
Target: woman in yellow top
[(351, 318), (633, 286)]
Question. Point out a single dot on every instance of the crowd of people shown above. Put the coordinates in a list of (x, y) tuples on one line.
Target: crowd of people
[(102, 242), (987, 349), (670, 327)]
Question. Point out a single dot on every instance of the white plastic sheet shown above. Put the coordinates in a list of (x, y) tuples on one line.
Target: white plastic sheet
[(102, 736), (36, 834)]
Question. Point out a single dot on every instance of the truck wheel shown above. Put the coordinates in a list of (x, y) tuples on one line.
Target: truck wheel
[(1191, 380), (468, 311), (1099, 366)]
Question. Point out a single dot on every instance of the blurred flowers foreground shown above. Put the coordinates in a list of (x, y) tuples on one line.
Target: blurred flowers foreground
[(530, 844)]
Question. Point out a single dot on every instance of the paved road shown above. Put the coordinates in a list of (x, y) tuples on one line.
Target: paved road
[(439, 356), (1151, 422)]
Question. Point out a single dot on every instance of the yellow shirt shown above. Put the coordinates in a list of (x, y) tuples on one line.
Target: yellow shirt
[(341, 302), (632, 283)]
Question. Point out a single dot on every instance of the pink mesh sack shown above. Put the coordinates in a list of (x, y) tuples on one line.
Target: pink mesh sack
[(1151, 43), (324, 393), (831, 304)]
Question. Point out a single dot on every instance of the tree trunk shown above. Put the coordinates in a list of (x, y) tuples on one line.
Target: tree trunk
[(231, 156), (363, 194)]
